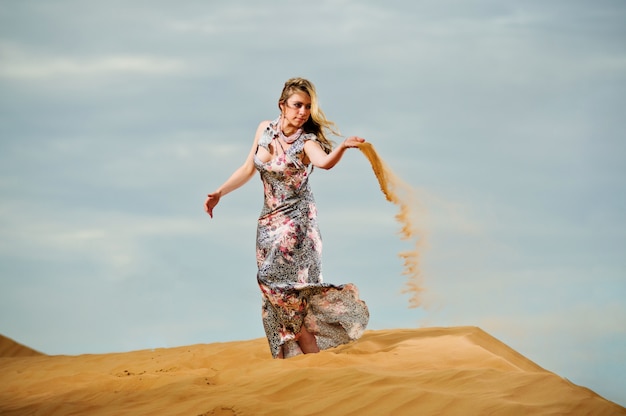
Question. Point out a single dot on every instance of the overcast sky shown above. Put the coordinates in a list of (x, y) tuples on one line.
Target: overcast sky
[(118, 117)]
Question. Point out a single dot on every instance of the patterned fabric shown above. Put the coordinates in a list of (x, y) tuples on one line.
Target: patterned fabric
[(288, 252)]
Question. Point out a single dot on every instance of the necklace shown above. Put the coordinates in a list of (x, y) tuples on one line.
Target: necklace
[(291, 138)]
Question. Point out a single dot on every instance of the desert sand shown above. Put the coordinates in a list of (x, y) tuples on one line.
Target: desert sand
[(428, 371)]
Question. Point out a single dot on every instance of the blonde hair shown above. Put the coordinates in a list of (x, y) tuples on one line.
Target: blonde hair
[(317, 122)]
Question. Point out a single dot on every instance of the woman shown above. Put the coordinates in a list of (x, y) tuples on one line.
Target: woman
[(301, 314)]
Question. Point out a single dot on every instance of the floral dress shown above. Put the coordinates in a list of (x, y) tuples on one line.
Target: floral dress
[(288, 253)]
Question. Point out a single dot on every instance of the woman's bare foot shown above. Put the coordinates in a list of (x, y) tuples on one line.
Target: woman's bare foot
[(307, 342)]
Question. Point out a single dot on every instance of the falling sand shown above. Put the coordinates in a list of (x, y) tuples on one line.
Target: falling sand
[(399, 193)]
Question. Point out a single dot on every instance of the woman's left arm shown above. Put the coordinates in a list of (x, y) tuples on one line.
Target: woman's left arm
[(320, 159)]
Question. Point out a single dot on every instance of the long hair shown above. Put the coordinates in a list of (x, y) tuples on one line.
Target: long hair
[(317, 122)]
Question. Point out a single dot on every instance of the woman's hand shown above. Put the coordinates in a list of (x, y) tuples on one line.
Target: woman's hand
[(211, 202), (353, 141)]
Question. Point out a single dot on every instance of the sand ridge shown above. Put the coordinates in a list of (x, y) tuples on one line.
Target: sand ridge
[(11, 348), (451, 371)]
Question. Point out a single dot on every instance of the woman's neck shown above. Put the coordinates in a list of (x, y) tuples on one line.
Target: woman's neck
[(287, 129)]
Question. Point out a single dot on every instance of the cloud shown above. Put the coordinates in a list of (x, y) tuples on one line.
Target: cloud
[(113, 242), (22, 64)]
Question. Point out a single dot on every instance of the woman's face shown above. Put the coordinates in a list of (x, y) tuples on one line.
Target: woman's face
[(296, 109)]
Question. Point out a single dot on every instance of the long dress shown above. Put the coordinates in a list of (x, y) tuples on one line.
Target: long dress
[(288, 253)]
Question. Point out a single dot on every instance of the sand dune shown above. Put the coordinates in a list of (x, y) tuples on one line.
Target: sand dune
[(10, 348), (431, 371)]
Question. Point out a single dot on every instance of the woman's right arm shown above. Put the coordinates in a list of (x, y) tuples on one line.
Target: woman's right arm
[(239, 177)]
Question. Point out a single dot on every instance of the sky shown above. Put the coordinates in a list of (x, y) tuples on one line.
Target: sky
[(507, 118)]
